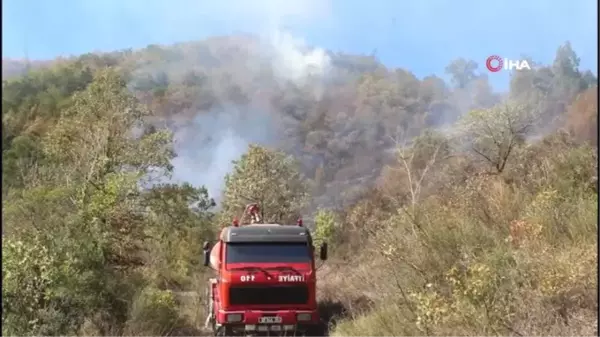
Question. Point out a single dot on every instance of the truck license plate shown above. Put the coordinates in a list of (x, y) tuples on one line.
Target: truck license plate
[(270, 319)]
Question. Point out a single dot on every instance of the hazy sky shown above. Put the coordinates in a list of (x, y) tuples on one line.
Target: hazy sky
[(421, 35)]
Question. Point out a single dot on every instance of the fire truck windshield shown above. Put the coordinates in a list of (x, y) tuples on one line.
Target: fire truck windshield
[(249, 252)]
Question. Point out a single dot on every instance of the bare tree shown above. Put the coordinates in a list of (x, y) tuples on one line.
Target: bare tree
[(416, 159)]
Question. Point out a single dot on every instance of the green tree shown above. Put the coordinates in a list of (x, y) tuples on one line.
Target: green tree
[(270, 178), (30, 106), (325, 226), (97, 217), (462, 72)]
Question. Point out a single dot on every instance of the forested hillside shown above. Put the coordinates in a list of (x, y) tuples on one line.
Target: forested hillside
[(450, 208)]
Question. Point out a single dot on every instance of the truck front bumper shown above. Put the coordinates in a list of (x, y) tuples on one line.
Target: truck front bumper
[(268, 317), (271, 329)]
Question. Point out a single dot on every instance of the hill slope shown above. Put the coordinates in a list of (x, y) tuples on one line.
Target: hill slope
[(422, 181)]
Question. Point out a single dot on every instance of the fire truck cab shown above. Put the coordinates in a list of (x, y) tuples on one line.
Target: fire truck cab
[(265, 281)]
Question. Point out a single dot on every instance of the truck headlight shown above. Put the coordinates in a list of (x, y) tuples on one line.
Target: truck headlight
[(234, 318), (304, 317)]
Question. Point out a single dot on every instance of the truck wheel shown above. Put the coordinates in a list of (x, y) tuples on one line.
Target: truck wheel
[(317, 330), (223, 331)]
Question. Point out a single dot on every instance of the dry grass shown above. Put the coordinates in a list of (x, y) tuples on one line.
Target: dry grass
[(512, 254), (490, 258)]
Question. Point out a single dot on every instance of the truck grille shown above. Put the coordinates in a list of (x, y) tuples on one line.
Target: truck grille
[(293, 294)]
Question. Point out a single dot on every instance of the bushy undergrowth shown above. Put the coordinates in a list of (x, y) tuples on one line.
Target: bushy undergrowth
[(510, 254), (502, 241)]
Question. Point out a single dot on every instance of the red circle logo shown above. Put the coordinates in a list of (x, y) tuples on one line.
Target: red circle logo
[(490, 60)]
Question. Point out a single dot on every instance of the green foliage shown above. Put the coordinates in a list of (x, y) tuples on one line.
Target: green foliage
[(95, 240), (462, 72), (153, 311), (48, 290), (82, 234), (30, 106), (270, 178), (325, 227), (181, 219), (100, 120)]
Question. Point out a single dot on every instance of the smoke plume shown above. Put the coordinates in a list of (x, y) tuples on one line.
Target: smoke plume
[(207, 143)]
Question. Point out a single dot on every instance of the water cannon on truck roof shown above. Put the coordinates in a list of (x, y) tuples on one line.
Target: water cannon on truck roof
[(266, 279)]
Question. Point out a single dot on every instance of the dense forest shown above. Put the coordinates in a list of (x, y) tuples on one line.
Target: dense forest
[(451, 209)]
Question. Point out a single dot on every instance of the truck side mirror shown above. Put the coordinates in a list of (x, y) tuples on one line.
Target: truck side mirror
[(323, 252), (206, 251)]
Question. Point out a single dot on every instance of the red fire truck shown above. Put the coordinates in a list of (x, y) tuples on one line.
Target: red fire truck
[(265, 280)]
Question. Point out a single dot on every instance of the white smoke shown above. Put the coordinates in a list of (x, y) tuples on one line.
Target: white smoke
[(295, 61), (207, 146), (206, 142)]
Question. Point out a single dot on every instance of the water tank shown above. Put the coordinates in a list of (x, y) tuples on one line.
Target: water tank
[(215, 259)]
